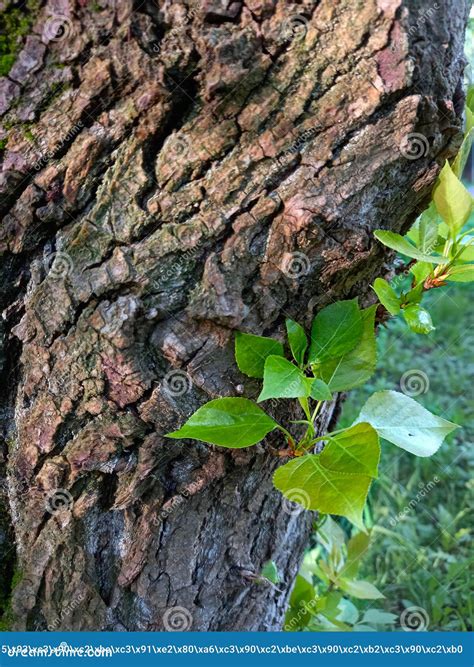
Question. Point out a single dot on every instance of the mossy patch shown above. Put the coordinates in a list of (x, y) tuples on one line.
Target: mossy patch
[(15, 23), (6, 613)]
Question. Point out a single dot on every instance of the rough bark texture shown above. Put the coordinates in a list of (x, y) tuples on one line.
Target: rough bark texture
[(172, 172)]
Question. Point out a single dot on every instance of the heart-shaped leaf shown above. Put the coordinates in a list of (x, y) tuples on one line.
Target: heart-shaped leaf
[(282, 379), (405, 423), (336, 330), (251, 352), (357, 366), (228, 422), (337, 480)]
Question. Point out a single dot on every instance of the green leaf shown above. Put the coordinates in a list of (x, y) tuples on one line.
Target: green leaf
[(348, 612), (320, 391), (302, 605), (400, 244), (424, 232), (228, 422), (415, 295), (354, 368), (356, 549), (418, 319), (462, 274), (464, 151), (337, 480), (421, 271), (252, 351), (452, 199), (467, 254), (387, 296), (379, 617), (363, 590), (354, 450), (323, 489), (282, 379), (336, 330), (270, 572), (331, 535), (298, 341), (470, 98), (405, 423)]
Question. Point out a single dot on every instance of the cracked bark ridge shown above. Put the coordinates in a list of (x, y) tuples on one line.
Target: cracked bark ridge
[(172, 172)]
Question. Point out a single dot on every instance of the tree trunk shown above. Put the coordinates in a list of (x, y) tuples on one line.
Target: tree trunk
[(173, 172)]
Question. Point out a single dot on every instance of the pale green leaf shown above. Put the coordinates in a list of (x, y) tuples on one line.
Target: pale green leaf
[(418, 319), (452, 199), (401, 245), (356, 549), (282, 379), (462, 274), (387, 296), (252, 351), (331, 535), (424, 232), (320, 391), (464, 151), (467, 254), (405, 423), (228, 422), (348, 612), (354, 368), (298, 341), (363, 590), (379, 617), (421, 271), (270, 571), (336, 330)]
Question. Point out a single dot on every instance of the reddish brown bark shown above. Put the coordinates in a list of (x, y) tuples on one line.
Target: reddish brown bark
[(174, 172)]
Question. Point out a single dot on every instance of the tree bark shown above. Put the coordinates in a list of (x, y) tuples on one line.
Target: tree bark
[(173, 172)]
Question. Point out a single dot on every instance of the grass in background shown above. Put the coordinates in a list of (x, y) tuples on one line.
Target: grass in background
[(420, 507)]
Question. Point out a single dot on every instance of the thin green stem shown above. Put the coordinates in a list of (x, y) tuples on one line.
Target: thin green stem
[(287, 433), (316, 410)]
